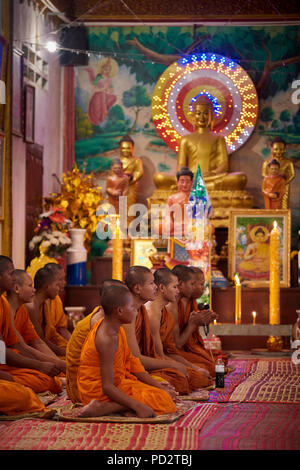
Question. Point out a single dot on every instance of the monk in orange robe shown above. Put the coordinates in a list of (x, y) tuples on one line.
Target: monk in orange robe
[(22, 293), (188, 318), (140, 282), (77, 340), (16, 399), (162, 327), (38, 375), (108, 371), (57, 314), (273, 186), (47, 285)]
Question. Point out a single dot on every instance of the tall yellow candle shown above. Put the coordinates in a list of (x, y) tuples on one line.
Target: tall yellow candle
[(117, 261), (238, 300), (274, 307)]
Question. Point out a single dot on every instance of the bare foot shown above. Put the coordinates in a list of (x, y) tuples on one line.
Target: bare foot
[(99, 408)]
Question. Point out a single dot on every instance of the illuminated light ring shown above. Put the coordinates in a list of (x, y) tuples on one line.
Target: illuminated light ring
[(211, 76), (209, 83), (226, 72)]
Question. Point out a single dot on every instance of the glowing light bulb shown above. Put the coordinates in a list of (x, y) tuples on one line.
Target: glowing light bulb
[(51, 46)]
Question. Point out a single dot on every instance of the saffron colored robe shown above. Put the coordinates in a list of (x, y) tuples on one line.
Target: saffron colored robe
[(36, 380), (147, 348), (24, 325), (196, 378), (125, 365), (18, 399), (74, 348), (194, 350), (49, 328)]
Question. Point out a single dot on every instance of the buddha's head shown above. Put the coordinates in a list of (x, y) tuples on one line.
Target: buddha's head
[(203, 112), (126, 146), (184, 180), (278, 148)]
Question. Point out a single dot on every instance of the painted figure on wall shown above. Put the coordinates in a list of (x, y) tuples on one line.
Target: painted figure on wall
[(102, 97), (278, 152), (273, 186)]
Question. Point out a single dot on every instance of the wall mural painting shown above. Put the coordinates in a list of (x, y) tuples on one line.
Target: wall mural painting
[(114, 93)]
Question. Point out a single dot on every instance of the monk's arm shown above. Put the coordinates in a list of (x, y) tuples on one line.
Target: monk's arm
[(106, 349), (43, 353), (19, 360), (56, 349), (64, 332), (150, 363), (182, 337)]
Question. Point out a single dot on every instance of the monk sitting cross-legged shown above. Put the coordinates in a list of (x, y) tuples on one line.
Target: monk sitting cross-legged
[(78, 337), (140, 282), (20, 363), (22, 293), (162, 327), (57, 314), (188, 318), (110, 378), (47, 286)]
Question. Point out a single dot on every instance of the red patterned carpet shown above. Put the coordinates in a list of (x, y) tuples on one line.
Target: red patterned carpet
[(259, 408)]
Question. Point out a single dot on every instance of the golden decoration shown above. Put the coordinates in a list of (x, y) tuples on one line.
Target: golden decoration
[(80, 199)]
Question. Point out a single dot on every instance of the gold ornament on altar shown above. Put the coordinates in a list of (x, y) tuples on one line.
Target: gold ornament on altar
[(80, 199), (274, 343), (39, 262)]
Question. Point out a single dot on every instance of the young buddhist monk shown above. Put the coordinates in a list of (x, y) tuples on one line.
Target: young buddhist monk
[(188, 318), (140, 282), (57, 314), (24, 368), (162, 327), (77, 339), (108, 371), (22, 293), (47, 286)]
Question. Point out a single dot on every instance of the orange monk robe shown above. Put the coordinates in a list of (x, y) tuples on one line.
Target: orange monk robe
[(38, 381), (74, 348), (147, 348), (273, 184), (24, 325), (196, 378), (58, 316), (49, 329), (194, 350), (125, 365), (18, 399)]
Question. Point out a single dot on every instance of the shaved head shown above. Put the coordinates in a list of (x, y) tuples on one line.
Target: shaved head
[(136, 275)]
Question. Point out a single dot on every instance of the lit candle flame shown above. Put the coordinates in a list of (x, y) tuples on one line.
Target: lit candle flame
[(237, 279), (254, 316), (274, 224)]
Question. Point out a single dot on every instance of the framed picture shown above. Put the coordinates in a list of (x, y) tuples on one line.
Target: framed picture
[(3, 62), (29, 119), (17, 92), (141, 250), (249, 245), (2, 141)]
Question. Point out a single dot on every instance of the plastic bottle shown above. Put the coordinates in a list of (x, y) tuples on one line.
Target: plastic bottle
[(220, 372)]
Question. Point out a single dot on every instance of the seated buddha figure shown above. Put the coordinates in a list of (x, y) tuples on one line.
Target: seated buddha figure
[(207, 149)]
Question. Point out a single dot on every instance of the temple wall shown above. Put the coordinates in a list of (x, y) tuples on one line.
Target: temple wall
[(31, 28), (97, 144)]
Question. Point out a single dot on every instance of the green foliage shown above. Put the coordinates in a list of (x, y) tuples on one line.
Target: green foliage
[(267, 114), (137, 97)]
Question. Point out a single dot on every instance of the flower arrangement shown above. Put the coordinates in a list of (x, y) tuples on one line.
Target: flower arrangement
[(80, 199), (51, 234)]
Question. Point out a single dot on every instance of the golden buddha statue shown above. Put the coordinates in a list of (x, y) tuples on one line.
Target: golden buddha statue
[(208, 150), (133, 168), (278, 152)]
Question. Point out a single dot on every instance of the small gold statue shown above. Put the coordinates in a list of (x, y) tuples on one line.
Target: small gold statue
[(278, 152), (208, 150), (133, 168), (117, 184)]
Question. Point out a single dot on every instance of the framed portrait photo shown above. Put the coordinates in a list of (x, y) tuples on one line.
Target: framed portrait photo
[(141, 250), (249, 245)]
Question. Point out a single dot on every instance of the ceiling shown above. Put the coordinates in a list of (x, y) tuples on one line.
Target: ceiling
[(179, 11)]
